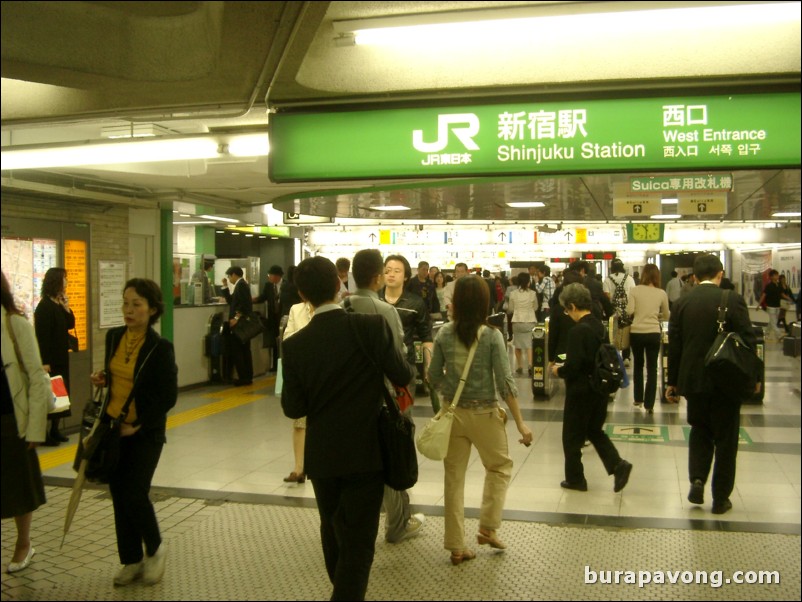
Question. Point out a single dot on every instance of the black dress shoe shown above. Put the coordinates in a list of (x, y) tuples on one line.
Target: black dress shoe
[(50, 442), (242, 383), (722, 506), (60, 437), (581, 486), (621, 475), (697, 492)]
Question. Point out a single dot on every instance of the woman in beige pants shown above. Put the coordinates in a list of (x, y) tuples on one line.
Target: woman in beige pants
[(478, 419)]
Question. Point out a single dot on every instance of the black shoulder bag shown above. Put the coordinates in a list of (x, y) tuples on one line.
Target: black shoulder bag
[(396, 435), (730, 365)]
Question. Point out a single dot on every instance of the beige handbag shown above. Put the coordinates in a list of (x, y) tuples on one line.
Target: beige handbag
[(433, 440)]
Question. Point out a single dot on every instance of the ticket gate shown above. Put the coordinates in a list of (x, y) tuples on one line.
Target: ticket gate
[(760, 347), (541, 377), (215, 347)]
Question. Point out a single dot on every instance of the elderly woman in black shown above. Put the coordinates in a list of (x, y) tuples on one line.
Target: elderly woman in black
[(585, 409), (53, 319), (141, 364)]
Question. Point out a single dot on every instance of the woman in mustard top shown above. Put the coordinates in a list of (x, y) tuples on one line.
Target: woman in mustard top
[(139, 363)]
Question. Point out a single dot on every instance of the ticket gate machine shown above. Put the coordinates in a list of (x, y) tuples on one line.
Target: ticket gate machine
[(541, 377)]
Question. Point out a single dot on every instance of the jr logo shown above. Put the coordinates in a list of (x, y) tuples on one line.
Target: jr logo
[(465, 134)]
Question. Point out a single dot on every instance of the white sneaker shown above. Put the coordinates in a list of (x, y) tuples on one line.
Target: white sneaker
[(414, 525), (129, 573), (154, 566)]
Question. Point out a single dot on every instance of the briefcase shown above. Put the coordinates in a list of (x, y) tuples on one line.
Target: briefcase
[(247, 327)]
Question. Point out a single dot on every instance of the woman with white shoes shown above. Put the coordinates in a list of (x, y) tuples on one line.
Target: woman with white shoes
[(139, 364), (26, 393)]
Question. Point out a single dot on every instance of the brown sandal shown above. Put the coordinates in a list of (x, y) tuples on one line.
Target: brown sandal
[(295, 478), (458, 557), (487, 537)]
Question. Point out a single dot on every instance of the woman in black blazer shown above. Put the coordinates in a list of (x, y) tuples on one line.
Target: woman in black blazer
[(141, 364), (53, 319), (585, 409)]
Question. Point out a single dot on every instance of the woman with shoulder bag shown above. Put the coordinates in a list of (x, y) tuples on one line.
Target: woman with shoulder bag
[(53, 320), (478, 419), (26, 393), (140, 363)]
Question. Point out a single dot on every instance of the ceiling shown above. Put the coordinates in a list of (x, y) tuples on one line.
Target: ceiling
[(72, 68)]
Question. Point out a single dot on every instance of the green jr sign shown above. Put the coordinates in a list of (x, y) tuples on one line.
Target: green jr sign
[(689, 133)]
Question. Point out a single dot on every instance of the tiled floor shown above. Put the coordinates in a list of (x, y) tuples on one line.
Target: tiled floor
[(235, 530)]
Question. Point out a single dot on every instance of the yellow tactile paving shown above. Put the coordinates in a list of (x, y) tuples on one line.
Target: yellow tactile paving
[(231, 398)]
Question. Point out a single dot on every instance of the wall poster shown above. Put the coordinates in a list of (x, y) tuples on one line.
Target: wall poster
[(111, 277)]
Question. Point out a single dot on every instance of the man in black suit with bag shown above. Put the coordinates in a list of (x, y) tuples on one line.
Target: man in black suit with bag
[(329, 379), (714, 416), (240, 304), (273, 310)]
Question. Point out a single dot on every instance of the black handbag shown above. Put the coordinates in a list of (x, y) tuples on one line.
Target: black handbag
[(397, 444), (102, 451), (101, 446), (72, 343), (396, 436), (731, 365), (92, 411), (247, 327)]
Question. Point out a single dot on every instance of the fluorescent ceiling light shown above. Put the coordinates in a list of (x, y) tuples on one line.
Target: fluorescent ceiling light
[(109, 153), (666, 216), (181, 148), (192, 222), (460, 28), (390, 208), (249, 145), (526, 204), (669, 201), (221, 219), (134, 130), (787, 214)]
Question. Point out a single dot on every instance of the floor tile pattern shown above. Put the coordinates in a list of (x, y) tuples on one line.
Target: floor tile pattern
[(235, 530)]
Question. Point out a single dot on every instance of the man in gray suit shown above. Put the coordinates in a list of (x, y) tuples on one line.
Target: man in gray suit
[(713, 416), (368, 269)]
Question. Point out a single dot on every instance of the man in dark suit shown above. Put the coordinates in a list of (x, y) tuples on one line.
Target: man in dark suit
[(239, 303), (271, 297), (602, 308), (714, 418), (329, 379)]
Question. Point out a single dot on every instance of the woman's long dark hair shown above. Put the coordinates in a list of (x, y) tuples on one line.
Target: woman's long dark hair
[(53, 283), (7, 298), (471, 300)]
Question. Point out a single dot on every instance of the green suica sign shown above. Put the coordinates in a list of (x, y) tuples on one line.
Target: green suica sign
[(683, 133)]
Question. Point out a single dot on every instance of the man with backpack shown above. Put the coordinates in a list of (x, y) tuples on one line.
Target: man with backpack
[(617, 287), (590, 376)]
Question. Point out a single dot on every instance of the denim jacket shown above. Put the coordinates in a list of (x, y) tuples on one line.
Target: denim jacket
[(490, 373)]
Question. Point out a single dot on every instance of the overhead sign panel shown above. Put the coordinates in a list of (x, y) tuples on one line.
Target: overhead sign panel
[(679, 133), (713, 203), (680, 183), (300, 219), (636, 206)]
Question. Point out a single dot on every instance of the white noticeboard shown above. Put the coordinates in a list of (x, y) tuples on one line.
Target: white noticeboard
[(112, 280)]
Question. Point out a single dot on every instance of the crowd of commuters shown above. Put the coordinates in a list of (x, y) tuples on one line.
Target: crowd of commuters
[(379, 316)]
